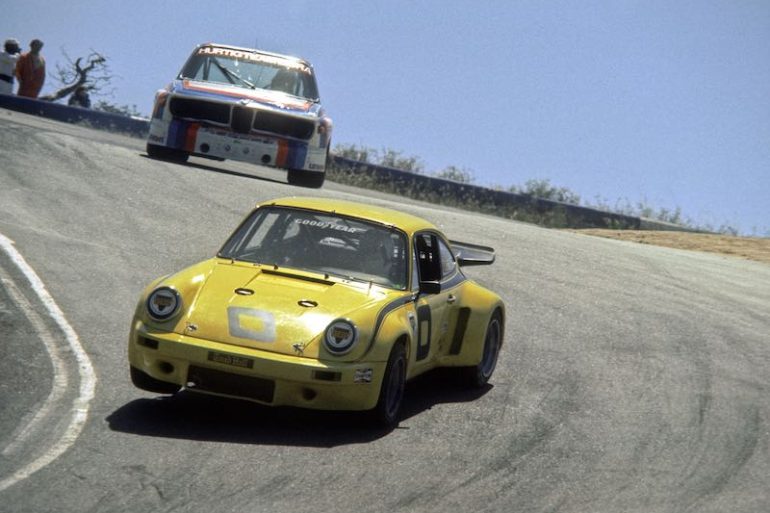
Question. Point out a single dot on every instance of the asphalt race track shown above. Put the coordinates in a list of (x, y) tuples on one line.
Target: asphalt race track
[(633, 378)]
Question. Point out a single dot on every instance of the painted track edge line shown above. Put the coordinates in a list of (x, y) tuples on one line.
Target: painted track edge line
[(85, 369), (60, 373)]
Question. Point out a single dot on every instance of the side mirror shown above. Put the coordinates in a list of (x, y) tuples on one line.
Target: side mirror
[(430, 287)]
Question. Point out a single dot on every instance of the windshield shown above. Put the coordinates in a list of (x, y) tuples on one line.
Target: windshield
[(325, 243), (252, 70)]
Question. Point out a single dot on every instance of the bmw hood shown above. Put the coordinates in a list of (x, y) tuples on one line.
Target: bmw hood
[(265, 98), (281, 311)]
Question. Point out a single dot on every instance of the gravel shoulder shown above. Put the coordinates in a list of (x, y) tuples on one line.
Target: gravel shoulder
[(751, 248)]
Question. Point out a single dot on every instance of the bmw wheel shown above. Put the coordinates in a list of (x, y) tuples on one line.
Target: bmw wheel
[(302, 178), (166, 153)]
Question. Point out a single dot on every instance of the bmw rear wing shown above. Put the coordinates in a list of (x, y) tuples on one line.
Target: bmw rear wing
[(472, 254)]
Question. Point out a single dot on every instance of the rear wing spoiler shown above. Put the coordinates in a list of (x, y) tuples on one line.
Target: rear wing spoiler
[(472, 254)]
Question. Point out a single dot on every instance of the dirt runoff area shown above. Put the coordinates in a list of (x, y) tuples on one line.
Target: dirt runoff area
[(752, 248)]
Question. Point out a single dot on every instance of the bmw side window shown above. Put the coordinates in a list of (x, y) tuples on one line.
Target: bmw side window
[(309, 89), (193, 68)]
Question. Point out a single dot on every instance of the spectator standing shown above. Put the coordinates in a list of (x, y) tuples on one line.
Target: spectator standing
[(8, 59), (30, 70), (80, 98)]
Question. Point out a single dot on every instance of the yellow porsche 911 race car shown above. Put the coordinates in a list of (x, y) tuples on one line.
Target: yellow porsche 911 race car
[(322, 304)]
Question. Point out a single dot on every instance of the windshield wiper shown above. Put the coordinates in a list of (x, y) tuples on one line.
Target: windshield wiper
[(347, 277), (287, 273), (232, 74)]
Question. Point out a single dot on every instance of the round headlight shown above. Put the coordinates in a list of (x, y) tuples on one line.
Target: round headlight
[(163, 303), (341, 336)]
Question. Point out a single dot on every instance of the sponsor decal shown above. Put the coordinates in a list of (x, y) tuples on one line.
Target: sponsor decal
[(155, 138), (272, 60), (362, 376), (325, 225)]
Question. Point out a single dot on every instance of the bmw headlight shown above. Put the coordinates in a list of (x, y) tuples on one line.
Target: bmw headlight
[(163, 303), (340, 337)]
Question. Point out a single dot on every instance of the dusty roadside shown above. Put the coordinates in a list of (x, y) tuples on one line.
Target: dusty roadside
[(751, 248)]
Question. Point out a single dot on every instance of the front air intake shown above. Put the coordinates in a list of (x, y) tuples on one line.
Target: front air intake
[(281, 124), (200, 110), (242, 119)]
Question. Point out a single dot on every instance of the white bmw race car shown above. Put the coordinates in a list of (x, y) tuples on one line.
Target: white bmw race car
[(247, 105)]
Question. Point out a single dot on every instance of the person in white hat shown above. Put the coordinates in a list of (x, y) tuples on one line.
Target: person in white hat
[(8, 58)]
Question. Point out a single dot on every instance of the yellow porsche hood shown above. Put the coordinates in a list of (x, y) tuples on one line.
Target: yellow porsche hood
[(278, 310)]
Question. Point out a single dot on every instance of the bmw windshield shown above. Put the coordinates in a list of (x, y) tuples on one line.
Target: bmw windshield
[(252, 70), (320, 242)]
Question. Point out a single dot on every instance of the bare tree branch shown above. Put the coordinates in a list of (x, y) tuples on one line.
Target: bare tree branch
[(94, 74)]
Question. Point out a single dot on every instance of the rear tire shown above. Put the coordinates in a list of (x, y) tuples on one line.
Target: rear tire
[(478, 375), (166, 153), (146, 382), (388, 409), (302, 178)]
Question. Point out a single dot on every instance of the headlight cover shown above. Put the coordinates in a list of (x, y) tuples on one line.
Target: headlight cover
[(163, 303), (340, 337)]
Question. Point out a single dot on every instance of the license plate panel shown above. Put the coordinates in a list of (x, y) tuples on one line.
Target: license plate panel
[(231, 359)]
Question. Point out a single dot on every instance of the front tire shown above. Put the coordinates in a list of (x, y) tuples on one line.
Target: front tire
[(478, 375), (302, 178), (165, 153), (146, 382), (388, 409)]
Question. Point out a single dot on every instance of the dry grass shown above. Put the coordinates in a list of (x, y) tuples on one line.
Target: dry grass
[(744, 247)]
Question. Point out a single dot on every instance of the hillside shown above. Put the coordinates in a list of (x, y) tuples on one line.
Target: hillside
[(751, 248)]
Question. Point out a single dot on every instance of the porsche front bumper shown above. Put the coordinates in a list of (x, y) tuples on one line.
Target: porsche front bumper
[(260, 376)]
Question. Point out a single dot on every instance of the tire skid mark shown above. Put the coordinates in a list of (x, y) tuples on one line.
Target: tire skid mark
[(80, 405), (720, 452), (550, 417), (550, 438), (710, 478), (723, 432)]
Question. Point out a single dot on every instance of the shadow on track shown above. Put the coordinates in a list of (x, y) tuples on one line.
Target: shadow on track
[(205, 167), (192, 416)]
